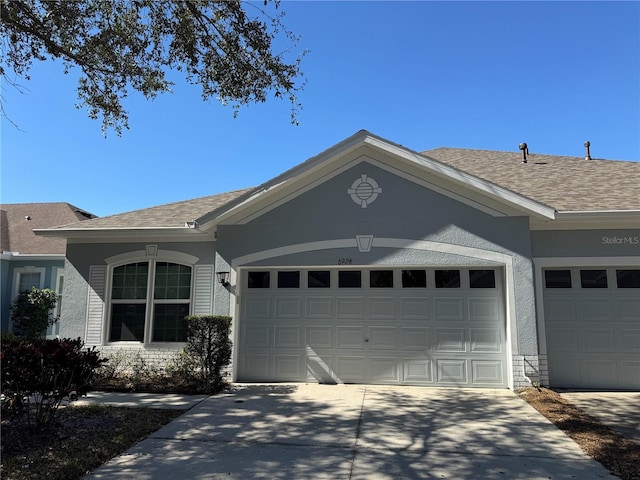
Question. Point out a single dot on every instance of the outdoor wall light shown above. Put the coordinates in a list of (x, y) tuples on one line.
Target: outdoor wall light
[(223, 278)]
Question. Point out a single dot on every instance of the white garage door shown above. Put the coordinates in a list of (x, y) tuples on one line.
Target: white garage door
[(377, 325), (592, 324)]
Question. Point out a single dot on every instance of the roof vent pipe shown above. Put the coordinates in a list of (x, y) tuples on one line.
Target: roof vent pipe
[(525, 151), (587, 144)]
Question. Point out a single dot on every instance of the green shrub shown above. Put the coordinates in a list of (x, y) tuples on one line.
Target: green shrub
[(38, 374), (208, 350), (31, 312)]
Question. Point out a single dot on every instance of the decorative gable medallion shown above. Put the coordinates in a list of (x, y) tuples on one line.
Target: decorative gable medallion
[(364, 190)]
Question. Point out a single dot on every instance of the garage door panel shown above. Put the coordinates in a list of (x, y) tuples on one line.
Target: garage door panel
[(485, 340), (382, 308), (384, 370), (350, 368), (319, 307), (289, 336), (449, 309), (256, 336), (563, 340), (415, 309), (257, 367), (350, 337), (451, 371), (598, 341), (630, 341), (289, 367), (418, 371), (595, 310), (565, 370), (383, 338), (288, 307), (488, 372), (629, 309), (350, 307), (630, 369), (415, 339), (257, 307), (450, 340), (320, 367), (319, 337), (599, 372), (483, 309), (560, 310)]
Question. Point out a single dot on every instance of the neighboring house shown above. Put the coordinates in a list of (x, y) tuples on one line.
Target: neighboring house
[(29, 260), (373, 263)]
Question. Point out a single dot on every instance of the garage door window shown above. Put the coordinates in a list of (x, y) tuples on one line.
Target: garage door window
[(628, 278), (289, 279), (259, 279), (557, 278), (414, 279), (381, 278), (447, 278), (319, 279), (482, 279), (593, 278), (349, 279)]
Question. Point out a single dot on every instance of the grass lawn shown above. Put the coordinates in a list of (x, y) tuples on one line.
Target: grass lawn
[(82, 439)]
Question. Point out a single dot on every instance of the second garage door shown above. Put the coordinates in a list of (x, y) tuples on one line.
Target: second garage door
[(420, 326)]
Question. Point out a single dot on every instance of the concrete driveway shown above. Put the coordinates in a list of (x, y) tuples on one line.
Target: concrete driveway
[(298, 431)]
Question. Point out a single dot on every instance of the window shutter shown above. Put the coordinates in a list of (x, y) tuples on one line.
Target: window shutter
[(203, 290), (95, 304)]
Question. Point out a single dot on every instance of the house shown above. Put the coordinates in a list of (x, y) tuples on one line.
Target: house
[(28, 260), (373, 263)]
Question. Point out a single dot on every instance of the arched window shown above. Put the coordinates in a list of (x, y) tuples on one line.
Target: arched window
[(149, 301)]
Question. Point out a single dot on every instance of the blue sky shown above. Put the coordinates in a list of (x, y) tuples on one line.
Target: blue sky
[(485, 75)]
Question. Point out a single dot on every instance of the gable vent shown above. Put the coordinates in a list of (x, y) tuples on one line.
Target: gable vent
[(587, 155), (525, 151)]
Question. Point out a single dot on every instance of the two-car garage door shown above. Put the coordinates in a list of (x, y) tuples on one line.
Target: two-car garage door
[(420, 326)]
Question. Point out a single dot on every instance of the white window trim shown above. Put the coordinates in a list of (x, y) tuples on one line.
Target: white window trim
[(152, 256), (17, 272)]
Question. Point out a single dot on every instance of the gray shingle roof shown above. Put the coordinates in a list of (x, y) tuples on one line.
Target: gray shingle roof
[(564, 183), (18, 220), (162, 216)]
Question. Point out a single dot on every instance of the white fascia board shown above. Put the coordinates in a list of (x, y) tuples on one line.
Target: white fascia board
[(127, 234), (591, 220), (32, 256)]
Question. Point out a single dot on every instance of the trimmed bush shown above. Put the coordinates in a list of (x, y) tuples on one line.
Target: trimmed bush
[(38, 374), (208, 349)]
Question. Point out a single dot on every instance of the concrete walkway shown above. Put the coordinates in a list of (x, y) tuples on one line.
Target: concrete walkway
[(170, 401), (298, 431)]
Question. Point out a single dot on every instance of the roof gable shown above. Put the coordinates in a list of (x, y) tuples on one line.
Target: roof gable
[(366, 147)]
